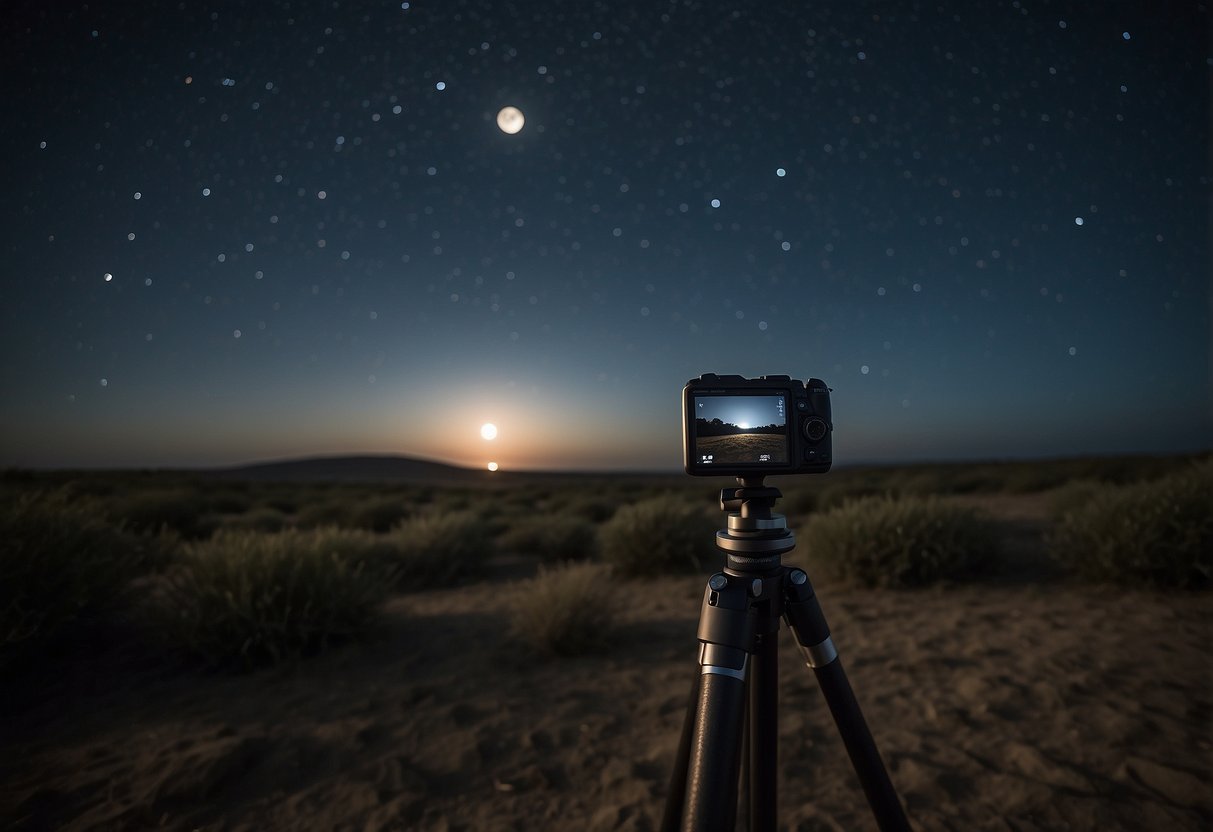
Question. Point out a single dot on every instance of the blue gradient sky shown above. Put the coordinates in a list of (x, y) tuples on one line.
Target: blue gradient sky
[(987, 228), (750, 411)]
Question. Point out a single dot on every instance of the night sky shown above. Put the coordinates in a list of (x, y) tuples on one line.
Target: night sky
[(743, 411), (240, 232)]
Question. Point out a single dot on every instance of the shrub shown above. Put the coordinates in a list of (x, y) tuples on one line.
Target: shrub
[(439, 547), (557, 537), (660, 534), (595, 509), (797, 502), (1073, 495), (840, 492), (234, 500), (1157, 533), (326, 513), (1031, 477), (380, 514), (911, 541), (179, 510), (248, 599), (60, 559), (259, 519), (563, 611)]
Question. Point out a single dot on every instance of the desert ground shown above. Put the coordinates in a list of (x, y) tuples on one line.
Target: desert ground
[(742, 447), (1025, 700)]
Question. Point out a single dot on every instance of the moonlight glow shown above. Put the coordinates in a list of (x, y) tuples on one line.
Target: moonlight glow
[(488, 430), (510, 120), (316, 226)]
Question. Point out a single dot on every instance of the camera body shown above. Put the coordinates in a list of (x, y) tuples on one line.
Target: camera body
[(735, 427)]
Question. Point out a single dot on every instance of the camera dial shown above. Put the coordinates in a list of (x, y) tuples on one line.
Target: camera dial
[(814, 429)]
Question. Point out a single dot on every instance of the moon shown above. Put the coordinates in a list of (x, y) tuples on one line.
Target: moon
[(510, 120), (488, 430)]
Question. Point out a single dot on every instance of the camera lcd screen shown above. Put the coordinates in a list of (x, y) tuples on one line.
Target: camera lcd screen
[(740, 430)]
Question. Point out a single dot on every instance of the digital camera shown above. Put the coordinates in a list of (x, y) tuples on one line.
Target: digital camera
[(734, 426)]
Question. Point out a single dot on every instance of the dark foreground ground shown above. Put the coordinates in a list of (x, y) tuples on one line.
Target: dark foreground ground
[(1022, 702)]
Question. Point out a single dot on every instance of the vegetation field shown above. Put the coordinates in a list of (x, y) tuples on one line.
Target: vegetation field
[(188, 651)]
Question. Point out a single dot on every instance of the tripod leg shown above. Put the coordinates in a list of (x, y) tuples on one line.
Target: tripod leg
[(726, 634), (711, 799), (671, 820), (808, 623), (764, 732)]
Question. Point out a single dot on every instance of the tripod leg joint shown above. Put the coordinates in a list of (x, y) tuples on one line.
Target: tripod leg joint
[(807, 622), (726, 627)]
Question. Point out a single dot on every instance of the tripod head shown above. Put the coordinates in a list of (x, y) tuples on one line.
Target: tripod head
[(755, 537)]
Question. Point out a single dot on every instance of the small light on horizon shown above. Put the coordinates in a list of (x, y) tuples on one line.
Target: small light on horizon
[(492, 466)]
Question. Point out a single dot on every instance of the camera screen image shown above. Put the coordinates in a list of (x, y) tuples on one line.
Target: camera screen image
[(741, 430)]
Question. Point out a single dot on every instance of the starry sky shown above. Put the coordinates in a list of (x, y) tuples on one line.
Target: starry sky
[(250, 231)]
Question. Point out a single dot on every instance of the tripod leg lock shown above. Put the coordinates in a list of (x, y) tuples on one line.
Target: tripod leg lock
[(726, 627), (807, 622)]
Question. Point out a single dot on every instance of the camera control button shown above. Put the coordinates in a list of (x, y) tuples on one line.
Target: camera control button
[(802, 405)]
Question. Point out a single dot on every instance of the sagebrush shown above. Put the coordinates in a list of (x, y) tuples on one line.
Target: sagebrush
[(550, 537), (61, 559), (438, 547), (901, 541), (1157, 533), (246, 599), (565, 610), (661, 534)]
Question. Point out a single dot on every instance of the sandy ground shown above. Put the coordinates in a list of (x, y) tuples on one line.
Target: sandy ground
[(1017, 704)]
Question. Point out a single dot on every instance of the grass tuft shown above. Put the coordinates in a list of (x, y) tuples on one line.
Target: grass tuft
[(180, 510), (661, 534), (61, 560), (1157, 533), (551, 538), (908, 541), (244, 599), (439, 547), (563, 611), (256, 519)]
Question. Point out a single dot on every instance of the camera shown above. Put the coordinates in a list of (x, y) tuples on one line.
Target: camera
[(735, 426)]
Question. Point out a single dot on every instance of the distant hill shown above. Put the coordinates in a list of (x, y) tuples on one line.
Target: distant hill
[(354, 469)]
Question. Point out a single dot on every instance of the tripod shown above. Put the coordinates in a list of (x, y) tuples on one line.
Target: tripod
[(734, 693)]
